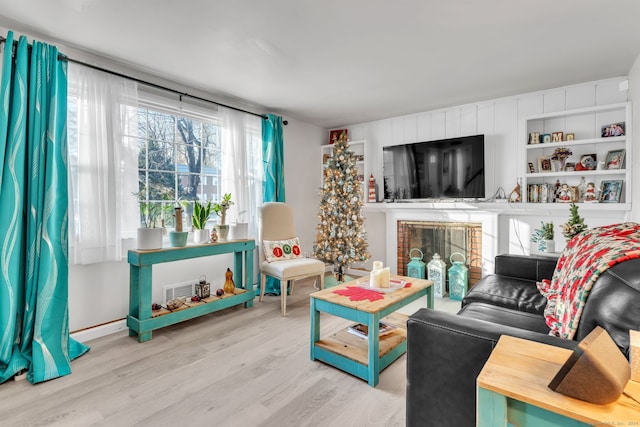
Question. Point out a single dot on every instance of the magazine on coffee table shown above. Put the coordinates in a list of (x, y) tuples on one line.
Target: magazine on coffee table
[(362, 331)]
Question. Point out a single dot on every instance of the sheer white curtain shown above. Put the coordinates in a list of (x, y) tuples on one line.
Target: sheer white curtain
[(102, 165), (242, 165)]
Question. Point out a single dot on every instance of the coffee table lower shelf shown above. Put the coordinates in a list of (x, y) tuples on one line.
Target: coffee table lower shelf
[(350, 353)]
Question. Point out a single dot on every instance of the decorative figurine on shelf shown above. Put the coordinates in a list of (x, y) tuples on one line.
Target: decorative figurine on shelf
[(590, 194), (515, 195), (229, 286), (214, 235), (373, 191)]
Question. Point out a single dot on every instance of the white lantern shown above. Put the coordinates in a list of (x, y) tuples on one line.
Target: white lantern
[(436, 271)]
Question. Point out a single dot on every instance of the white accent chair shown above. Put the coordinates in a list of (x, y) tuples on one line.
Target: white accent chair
[(275, 222)]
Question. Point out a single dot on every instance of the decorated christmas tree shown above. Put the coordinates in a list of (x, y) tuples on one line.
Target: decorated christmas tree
[(341, 238), (575, 224)]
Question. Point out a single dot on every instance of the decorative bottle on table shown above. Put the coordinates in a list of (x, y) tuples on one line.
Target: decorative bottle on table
[(436, 271)]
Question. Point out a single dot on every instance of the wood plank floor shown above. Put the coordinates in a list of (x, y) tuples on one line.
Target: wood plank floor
[(238, 367)]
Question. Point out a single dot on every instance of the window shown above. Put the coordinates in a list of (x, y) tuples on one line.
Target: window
[(179, 161)]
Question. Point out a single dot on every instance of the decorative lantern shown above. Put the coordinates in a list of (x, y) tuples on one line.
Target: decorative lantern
[(415, 268), (437, 272), (458, 278), (203, 288)]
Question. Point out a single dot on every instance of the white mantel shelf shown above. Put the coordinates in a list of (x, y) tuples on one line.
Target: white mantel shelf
[(495, 207)]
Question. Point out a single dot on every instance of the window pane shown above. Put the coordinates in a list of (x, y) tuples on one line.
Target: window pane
[(161, 126), (161, 156), (161, 186)]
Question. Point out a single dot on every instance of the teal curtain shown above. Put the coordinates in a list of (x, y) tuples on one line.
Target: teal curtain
[(273, 187), (34, 324)]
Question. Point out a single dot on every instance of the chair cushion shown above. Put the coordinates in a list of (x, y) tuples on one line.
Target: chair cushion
[(290, 268), (278, 250)]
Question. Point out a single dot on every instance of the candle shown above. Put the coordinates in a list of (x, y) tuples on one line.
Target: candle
[(385, 275), (377, 265), (374, 279)]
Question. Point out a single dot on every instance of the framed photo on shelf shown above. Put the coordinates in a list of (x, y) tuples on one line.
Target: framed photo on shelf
[(588, 162), (611, 191), (532, 169), (334, 135), (614, 129), (569, 167), (615, 159), (545, 164)]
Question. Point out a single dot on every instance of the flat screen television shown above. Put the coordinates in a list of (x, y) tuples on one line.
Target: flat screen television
[(443, 169)]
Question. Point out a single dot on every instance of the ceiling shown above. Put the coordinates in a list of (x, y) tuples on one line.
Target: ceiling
[(333, 63)]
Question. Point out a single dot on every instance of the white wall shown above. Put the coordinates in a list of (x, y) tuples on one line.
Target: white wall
[(634, 96), (500, 121)]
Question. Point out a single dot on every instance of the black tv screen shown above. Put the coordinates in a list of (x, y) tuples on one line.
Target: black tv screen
[(443, 169)]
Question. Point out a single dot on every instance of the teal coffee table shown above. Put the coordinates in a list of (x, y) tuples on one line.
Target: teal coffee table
[(365, 357)]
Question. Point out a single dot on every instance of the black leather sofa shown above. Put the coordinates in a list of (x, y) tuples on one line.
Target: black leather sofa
[(446, 352)]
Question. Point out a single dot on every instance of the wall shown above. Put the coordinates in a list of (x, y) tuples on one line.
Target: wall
[(634, 96), (500, 120)]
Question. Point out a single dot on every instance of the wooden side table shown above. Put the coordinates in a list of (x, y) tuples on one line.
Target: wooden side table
[(364, 358), (512, 390)]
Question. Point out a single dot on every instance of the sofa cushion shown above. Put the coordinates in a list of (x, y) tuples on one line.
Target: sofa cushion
[(505, 316), (508, 292)]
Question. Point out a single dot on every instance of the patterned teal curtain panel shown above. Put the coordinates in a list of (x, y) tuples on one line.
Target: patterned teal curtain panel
[(34, 324), (273, 186)]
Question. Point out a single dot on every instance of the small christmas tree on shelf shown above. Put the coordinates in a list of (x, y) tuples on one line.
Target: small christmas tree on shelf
[(340, 234), (575, 224)]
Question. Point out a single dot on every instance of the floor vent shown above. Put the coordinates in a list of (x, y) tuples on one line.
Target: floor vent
[(179, 290)]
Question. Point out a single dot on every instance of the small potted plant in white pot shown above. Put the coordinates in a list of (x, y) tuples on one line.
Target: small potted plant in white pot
[(544, 236), (201, 213), (221, 210), (240, 229), (149, 234)]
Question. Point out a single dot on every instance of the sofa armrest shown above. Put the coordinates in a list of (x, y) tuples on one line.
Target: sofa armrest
[(445, 354), (533, 267)]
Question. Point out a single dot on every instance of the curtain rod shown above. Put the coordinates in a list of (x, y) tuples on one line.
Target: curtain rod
[(154, 85)]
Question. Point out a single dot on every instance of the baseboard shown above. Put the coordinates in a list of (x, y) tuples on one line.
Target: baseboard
[(100, 331)]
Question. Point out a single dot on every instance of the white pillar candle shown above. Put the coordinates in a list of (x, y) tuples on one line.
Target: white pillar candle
[(385, 276), (374, 279), (377, 265)]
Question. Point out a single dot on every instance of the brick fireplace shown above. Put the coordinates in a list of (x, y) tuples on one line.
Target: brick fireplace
[(443, 238)]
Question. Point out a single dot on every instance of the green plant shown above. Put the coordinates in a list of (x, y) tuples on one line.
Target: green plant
[(542, 234), (221, 208), (575, 224), (201, 215)]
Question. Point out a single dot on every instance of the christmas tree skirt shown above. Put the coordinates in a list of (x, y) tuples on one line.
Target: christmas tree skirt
[(331, 281)]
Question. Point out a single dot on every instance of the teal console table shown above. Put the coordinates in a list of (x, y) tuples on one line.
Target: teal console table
[(141, 321)]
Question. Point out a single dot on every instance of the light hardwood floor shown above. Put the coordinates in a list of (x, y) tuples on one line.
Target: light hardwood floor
[(238, 367)]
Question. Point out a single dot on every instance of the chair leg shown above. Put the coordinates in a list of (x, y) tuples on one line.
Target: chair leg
[(290, 284), (263, 283), (283, 297), (322, 281)]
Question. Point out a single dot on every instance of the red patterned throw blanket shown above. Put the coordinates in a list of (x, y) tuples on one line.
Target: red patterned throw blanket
[(586, 257)]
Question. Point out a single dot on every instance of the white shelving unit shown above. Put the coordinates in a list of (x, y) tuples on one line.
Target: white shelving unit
[(586, 125), (358, 148)]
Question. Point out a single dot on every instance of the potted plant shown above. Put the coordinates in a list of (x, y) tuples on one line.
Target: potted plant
[(543, 236), (240, 229), (221, 210), (177, 237), (149, 234), (201, 213)]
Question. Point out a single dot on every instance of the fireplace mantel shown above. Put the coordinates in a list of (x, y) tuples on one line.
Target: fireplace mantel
[(498, 207)]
